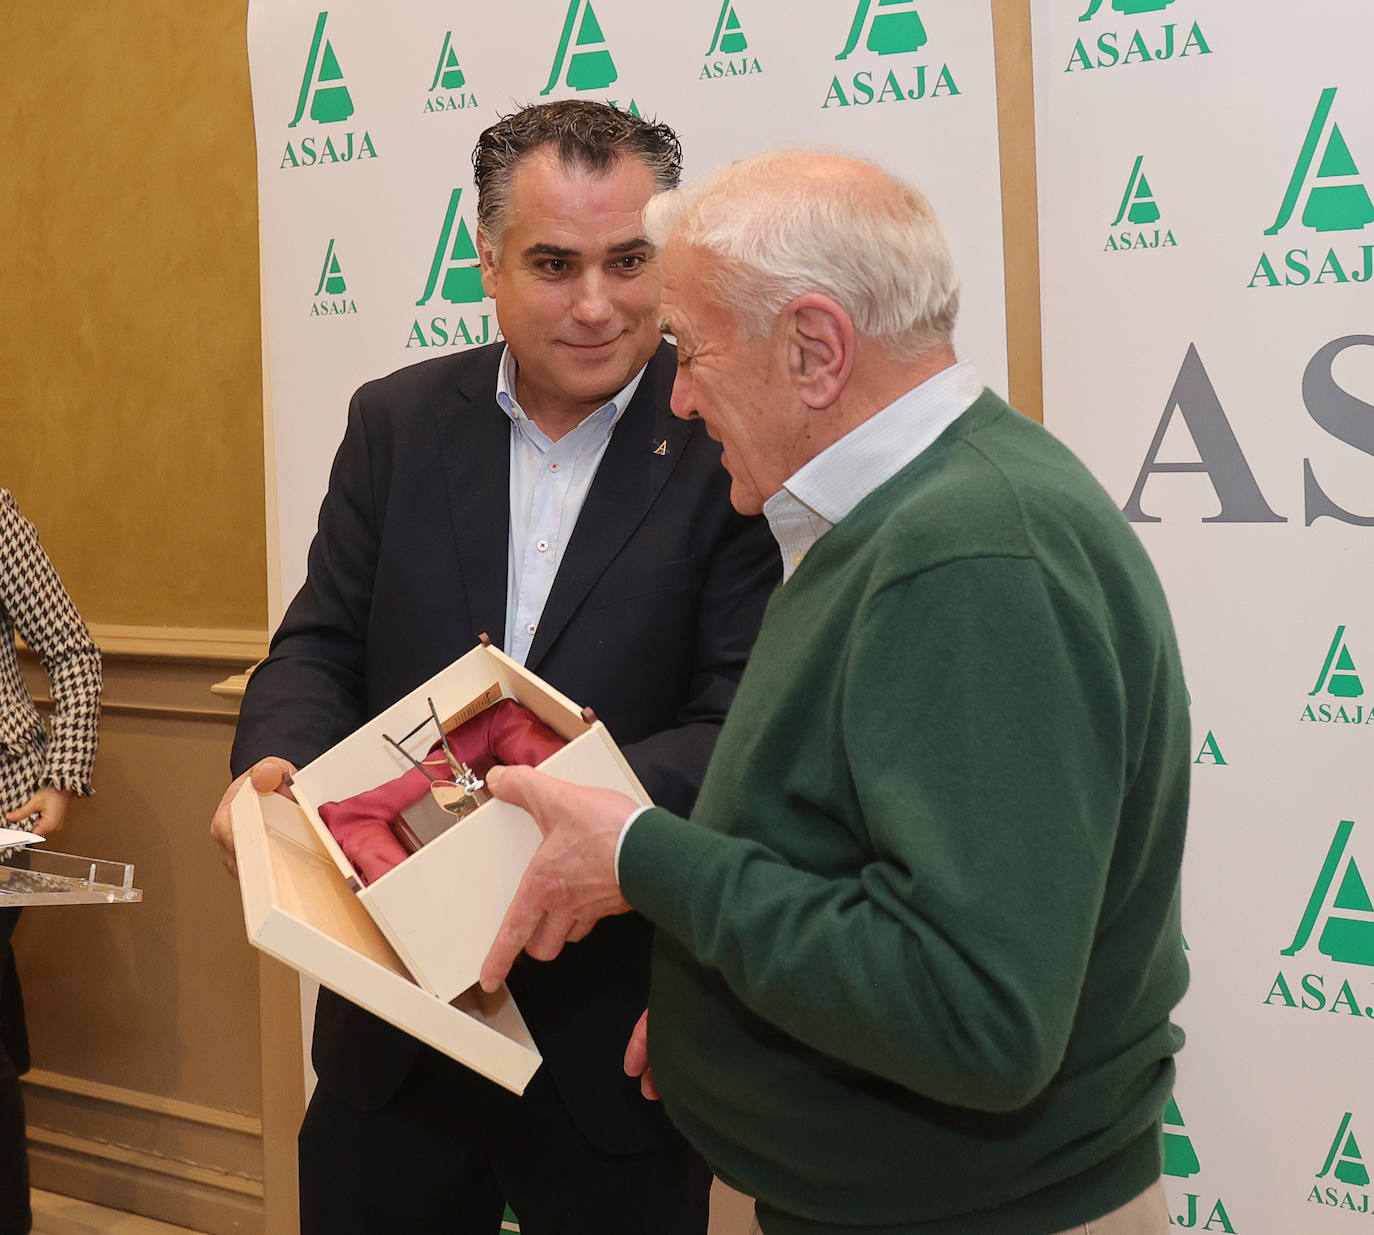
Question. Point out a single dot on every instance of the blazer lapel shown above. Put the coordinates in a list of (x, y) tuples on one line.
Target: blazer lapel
[(641, 456), (474, 444)]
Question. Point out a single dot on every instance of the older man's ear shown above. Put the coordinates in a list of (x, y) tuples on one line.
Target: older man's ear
[(820, 349)]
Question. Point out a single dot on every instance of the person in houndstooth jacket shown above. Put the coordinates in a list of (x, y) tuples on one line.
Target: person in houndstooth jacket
[(41, 768)]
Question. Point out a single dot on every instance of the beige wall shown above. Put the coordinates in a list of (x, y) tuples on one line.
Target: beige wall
[(131, 423), (131, 402)]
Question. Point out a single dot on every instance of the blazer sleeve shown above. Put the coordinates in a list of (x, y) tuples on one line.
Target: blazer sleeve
[(742, 570), (47, 620)]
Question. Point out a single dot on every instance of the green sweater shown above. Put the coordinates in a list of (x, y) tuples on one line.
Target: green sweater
[(918, 944)]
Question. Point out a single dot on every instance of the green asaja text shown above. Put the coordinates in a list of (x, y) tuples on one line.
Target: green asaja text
[(911, 87)]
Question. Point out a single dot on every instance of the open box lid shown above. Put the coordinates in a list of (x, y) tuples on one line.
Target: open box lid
[(298, 907)]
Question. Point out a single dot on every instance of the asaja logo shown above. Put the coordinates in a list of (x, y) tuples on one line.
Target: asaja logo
[(583, 60), (893, 26), (1138, 210), (1345, 1168), (1348, 936), (729, 45), (455, 273), (1326, 183), (324, 99), (323, 86), (446, 91), (1181, 1162), (888, 28), (1340, 916), (1122, 46), (1339, 680), (330, 298)]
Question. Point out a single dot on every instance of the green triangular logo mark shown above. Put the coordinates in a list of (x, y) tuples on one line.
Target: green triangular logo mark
[(1138, 202), (591, 68), (455, 256), (1180, 1159), (331, 275), (1337, 207), (1338, 672), (449, 73), (892, 27), (1345, 939), (328, 103), (1343, 206), (1343, 1159), (729, 36)]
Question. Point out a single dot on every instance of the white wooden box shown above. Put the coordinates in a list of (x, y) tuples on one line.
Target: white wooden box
[(409, 947)]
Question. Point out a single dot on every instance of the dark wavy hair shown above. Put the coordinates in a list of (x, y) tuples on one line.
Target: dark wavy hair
[(588, 136)]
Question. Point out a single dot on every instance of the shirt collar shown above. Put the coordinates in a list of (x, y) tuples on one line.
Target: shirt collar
[(505, 392), (826, 488)]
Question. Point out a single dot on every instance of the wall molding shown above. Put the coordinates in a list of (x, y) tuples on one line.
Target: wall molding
[(192, 1112), (201, 644), (127, 1155), (166, 1158), (166, 672)]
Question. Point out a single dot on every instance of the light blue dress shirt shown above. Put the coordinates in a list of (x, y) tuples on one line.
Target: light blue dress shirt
[(825, 489), (548, 484)]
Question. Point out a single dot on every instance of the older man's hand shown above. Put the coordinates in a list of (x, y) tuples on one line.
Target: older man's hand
[(270, 775), (570, 884)]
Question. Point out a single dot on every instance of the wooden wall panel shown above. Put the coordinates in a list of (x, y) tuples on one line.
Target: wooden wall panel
[(144, 1019), (1020, 208)]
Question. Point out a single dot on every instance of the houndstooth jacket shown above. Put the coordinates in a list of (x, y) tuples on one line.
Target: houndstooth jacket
[(34, 603)]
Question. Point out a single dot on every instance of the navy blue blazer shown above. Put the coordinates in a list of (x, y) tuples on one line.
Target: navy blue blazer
[(649, 621)]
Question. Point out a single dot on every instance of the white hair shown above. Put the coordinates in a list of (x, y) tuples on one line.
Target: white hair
[(782, 224)]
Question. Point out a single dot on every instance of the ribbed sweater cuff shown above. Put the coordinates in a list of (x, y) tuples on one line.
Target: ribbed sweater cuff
[(657, 866)]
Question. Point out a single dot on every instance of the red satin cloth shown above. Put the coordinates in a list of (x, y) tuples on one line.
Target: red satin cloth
[(505, 733)]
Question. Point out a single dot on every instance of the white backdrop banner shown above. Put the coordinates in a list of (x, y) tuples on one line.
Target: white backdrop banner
[(1207, 255), (366, 116)]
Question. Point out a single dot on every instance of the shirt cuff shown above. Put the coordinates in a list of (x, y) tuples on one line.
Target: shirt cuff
[(624, 831)]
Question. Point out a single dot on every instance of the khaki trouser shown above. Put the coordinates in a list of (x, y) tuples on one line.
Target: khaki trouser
[(1147, 1214)]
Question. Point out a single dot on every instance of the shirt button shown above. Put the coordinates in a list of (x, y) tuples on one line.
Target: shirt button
[(553, 467), (541, 545), (529, 630)]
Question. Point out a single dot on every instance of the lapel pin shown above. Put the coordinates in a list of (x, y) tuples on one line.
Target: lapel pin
[(662, 447)]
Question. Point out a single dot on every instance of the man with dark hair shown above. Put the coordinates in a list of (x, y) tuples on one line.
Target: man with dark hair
[(540, 491)]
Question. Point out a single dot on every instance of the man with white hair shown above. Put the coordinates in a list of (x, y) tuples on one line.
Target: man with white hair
[(918, 944)]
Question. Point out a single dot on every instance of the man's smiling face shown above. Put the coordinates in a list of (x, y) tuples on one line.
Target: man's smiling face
[(576, 286)]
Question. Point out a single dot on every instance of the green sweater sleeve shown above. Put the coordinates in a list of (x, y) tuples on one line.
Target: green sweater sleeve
[(980, 716)]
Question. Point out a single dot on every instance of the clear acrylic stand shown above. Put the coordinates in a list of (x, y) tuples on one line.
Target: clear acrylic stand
[(35, 876)]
